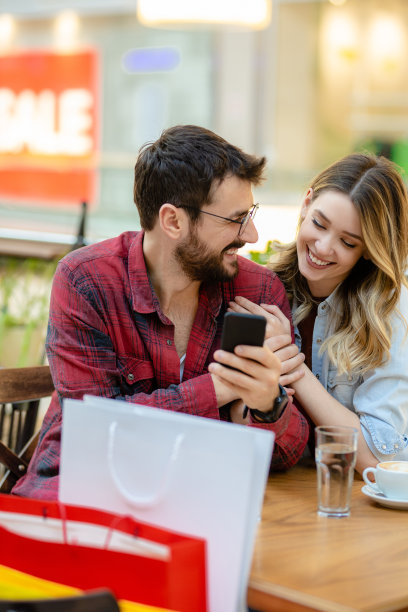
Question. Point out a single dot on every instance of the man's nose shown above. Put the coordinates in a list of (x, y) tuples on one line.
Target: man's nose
[(250, 233)]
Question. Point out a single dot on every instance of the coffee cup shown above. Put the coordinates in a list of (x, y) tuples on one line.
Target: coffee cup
[(391, 479)]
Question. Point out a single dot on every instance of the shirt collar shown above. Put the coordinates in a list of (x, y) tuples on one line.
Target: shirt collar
[(333, 301), (143, 297), (330, 301)]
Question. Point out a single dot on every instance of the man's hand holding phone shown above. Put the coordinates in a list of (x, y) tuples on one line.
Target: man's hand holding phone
[(251, 372), (278, 328)]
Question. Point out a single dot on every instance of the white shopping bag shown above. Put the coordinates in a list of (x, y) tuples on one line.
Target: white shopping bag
[(190, 474)]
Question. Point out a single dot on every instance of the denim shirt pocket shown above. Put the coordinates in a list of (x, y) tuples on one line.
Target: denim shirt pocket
[(136, 375), (343, 386)]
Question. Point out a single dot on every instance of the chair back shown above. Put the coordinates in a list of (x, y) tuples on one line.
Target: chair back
[(20, 392)]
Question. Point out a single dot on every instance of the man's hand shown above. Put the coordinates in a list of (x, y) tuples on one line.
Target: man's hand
[(237, 413), (255, 378), (277, 329), (223, 392)]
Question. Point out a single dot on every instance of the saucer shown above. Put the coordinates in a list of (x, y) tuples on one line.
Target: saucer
[(389, 502)]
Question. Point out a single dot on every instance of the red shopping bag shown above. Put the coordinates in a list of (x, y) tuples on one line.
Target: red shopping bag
[(88, 548)]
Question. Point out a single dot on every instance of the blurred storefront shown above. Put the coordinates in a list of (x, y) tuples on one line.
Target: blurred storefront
[(320, 80)]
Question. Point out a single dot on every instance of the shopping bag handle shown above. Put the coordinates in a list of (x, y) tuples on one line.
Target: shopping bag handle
[(121, 518), (62, 517), (143, 501)]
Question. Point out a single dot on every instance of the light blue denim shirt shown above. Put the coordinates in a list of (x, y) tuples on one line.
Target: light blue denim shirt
[(380, 396)]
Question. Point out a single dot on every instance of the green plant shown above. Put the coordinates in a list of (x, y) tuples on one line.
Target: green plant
[(24, 302), (262, 257)]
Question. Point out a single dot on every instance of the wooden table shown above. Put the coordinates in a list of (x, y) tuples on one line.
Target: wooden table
[(305, 562)]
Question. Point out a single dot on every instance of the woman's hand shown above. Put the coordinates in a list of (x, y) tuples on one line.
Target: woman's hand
[(276, 322), (292, 361)]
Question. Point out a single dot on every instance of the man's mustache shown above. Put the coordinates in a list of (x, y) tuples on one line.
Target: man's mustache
[(237, 244)]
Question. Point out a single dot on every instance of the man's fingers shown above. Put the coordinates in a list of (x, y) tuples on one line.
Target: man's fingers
[(256, 378)]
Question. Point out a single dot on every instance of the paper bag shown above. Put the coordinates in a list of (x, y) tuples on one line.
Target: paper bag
[(190, 474), (89, 549)]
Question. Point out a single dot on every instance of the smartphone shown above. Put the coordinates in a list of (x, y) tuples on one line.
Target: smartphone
[(242, 329)]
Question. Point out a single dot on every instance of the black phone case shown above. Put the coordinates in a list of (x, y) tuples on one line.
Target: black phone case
[(242, 329)]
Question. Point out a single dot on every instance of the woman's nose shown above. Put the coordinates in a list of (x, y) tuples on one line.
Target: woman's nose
[(324, 246)]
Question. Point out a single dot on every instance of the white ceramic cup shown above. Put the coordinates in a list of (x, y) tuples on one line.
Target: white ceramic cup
[(391, 479)]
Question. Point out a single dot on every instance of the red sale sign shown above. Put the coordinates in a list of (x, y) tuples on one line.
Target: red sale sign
[(48, 126)]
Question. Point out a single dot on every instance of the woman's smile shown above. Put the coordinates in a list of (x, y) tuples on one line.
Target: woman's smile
[(313, 260)]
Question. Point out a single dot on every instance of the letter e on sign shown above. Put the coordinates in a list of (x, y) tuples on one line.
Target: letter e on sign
[(48, 126)]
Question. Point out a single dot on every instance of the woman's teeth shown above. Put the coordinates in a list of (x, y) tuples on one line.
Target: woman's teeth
[(318, 262)]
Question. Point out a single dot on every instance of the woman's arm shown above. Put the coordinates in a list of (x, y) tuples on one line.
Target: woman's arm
[(323, 409)]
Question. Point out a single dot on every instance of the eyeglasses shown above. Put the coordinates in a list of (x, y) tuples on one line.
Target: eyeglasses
[(242, 222)]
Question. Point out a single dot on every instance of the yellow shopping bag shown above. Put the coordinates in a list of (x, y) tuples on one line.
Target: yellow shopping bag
[(18, 585)]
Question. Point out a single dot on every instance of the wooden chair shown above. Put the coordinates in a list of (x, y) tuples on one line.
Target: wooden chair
[(20, 392)]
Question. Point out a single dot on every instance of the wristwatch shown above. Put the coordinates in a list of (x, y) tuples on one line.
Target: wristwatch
[(272, 415)]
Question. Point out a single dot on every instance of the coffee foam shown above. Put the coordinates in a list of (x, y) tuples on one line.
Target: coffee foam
[(395, 466)]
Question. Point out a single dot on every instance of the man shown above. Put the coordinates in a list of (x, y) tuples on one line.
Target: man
[(139, 317)]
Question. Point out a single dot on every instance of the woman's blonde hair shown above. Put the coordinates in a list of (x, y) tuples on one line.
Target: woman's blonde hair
[(361, 336)]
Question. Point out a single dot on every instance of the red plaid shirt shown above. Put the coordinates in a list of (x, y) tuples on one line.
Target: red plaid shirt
[(107, 336)]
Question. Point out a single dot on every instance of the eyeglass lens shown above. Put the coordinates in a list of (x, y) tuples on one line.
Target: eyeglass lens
[(251, 214)]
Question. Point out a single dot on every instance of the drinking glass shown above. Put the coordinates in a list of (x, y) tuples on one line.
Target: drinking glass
[(336, 453)]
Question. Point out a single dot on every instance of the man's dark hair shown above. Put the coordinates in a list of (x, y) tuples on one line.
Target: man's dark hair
[(181, 167)]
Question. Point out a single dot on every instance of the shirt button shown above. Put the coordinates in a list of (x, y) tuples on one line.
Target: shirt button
[(319, 340), (384, 446), (317, 376), (323, 306), (396, 445), (131, 377)]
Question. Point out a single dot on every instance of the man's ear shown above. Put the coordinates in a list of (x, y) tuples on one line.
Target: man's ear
[(306, 203), (172, 220)]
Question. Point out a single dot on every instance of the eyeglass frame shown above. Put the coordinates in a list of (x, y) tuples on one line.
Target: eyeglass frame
[(250, 215)]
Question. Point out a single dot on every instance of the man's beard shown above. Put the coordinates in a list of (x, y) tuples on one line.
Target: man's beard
[(201, 265)]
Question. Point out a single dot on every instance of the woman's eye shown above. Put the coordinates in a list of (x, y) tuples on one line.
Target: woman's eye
[(315, 221), (350, 246)]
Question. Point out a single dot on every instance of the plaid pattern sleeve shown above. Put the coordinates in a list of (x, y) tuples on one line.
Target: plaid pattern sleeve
[(107, 336), (292, 432)]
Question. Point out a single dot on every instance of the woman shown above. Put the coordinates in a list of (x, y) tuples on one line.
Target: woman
[(345, 279)]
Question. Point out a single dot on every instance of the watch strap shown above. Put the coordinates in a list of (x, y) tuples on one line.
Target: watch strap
[(279, 405)]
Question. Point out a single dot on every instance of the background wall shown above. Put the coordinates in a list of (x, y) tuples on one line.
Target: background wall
[(320, 81)]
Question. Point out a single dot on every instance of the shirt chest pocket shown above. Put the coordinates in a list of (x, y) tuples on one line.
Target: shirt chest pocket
[(343, 386), (136, 375)]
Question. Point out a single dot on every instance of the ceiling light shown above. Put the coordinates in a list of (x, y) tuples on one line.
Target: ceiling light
[(250, 14)]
